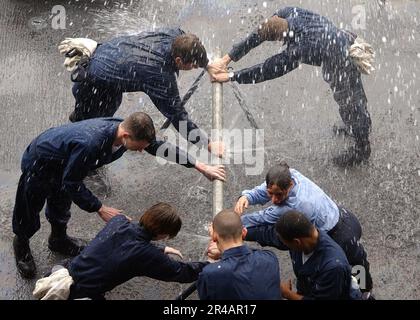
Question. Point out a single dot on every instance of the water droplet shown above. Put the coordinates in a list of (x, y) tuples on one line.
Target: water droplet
[(265, 4), (384, 39)]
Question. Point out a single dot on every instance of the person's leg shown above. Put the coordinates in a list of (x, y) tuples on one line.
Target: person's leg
[(352, 101), (265, 236), (30, 198), (94, 101), (347, 234), (58, 215), (346, 83)]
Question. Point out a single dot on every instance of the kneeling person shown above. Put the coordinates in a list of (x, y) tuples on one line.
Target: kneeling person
[(122, 251)]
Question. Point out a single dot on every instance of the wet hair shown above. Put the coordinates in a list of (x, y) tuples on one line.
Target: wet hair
[(279, 175), (228, 225), (140, 126), (272, 29), (293, 225), (161, 219), (189, 48)]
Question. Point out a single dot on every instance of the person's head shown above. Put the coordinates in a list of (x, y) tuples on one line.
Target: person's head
[(227, 228), (272, 29), (296, 231), (138, 131), (162, 221), (188, 52), (279, 182)]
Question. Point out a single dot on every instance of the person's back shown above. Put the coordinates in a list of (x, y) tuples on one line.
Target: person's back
[(311, 35), (313, 201), (241, 274), (128, 60), (51, 150)]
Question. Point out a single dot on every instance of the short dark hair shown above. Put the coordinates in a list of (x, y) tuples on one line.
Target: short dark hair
[(293, 225), (140, 126), (161, 219), (227, 224), (279, 175), (189, 48)]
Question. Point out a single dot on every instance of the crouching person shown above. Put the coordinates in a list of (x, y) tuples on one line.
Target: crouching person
[(319, 263), (120, 252), (242, 273)]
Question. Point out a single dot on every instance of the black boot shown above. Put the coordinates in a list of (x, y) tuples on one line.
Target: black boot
[(24, 260), (356, 155), (60, 242)]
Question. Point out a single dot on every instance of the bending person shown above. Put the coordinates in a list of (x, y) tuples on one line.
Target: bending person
[(288, 189), (55, 164), (121, 251), (242, 273), (148, 62), (320, 265), (312, 39)]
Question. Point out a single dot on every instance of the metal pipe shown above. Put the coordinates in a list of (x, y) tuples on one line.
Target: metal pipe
[(217, 125), (217, 110)]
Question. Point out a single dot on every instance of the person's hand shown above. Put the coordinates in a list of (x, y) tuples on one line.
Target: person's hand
[(220, 77), (286, 288), (211, 172), (217, 148), (241, 205), (215, 68), (213, 252), (170, 250), (106, 213), (219, 65)]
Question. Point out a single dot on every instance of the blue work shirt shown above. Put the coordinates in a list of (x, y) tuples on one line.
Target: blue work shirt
[(64, 155), (143, 62), (241, 274), (310, 39), (305, 196), (326, 274), (121, 251)]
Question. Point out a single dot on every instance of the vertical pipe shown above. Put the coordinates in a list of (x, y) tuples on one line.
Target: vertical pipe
[(217, 124)]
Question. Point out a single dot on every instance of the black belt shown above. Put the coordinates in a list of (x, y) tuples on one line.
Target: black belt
[(341, 212)]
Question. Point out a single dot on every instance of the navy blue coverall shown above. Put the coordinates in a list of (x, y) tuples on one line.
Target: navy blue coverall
[(141, 62), (120, 252), (326, 275), (313, 39), (55, 164), (241, 274)]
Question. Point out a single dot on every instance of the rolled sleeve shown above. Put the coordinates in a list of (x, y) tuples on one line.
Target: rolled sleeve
[(258, 195)]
